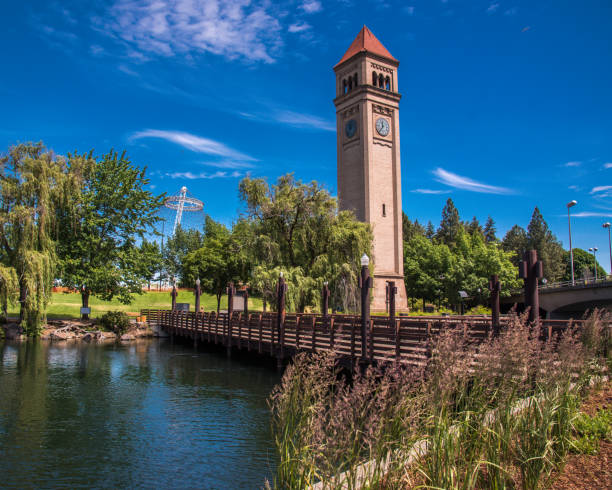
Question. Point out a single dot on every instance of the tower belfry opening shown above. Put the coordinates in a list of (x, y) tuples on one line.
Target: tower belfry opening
[(369, 167)]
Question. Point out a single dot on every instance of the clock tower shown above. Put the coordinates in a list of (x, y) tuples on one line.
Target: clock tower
[(369, 176)]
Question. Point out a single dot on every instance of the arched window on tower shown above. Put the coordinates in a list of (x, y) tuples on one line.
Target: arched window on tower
[(381, 80), (350, 84), (355, 80), (374, 79), (387, 83), (344, 86)]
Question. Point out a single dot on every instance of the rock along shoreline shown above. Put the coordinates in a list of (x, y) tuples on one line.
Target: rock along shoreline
[(83, 331)]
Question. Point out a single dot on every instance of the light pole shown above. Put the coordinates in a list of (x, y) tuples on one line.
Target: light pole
[(569, 226), (594, 250), (607, 225)]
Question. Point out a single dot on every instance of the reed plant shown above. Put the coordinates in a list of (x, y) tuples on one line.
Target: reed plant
[(497, 413)]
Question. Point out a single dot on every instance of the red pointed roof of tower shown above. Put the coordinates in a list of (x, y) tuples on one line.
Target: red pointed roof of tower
[(366, 42)]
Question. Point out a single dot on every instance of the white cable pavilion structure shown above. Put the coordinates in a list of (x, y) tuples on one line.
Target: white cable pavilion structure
[(182, 202)]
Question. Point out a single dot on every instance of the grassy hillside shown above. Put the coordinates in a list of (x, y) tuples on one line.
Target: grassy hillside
[(67, 305)]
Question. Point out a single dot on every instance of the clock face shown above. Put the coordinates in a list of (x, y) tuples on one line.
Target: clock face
[(382, 126), (350, 128)]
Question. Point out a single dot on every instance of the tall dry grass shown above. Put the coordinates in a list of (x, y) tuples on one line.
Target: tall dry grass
[(492, 414)]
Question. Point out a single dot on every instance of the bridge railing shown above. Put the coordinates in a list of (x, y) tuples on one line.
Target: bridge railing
[(405, 339)]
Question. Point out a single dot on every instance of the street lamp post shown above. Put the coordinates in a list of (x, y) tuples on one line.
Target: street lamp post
[(198, 293), (594, 250), (607, 225), (569, 226)]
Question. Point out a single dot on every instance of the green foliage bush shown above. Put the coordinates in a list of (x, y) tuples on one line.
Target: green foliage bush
[(115, 321), (590, 430)]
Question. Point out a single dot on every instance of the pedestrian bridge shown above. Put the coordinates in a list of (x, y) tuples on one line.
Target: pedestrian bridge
[(567, 300)]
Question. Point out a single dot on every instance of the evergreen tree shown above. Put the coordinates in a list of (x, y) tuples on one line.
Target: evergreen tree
[(490, 230), (515, 241), (550, 251), (449, 225), (430, 231), (411, 229), (473, 227)]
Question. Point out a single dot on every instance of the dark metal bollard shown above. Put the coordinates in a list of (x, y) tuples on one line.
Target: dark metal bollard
[(281, 290), (174, 294), (530, 270), (231, 291), (325, 299), (391, 292), (495, 288), (365, 283)]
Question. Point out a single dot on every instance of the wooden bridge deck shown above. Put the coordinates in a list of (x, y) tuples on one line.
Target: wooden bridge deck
[(405, 339)]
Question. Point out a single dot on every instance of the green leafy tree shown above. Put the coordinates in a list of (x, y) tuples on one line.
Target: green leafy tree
[(217, 262), (550, 251), (111, 210), (515, 241), (583, 265), (449, 225), (426, 265), (31, 189), (176, 248), (151, 259)]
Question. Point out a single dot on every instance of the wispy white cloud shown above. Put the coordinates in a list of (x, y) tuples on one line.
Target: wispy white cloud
[(493, 7), (231, 164), (311, 6), (573, 187), (572, 164), (602, 191), (299, 27), (409, 10), (96, 50), (301, 120), (127, 70), (235, 29), (465, 183), (607, 165), (511, 11), (590, 214), (429, 191), (203, 175), (194, 143)]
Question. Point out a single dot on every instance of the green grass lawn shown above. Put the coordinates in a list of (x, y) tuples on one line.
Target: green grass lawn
[(67, 305)]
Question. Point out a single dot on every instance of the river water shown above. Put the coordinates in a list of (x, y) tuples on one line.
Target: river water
[(142, 415)]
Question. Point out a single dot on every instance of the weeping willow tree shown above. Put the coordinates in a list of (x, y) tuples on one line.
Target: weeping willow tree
[(31, 181), (297, 228), (8, 290)]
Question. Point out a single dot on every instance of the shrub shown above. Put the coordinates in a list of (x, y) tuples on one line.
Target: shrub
[(115, 321), (590, 430)]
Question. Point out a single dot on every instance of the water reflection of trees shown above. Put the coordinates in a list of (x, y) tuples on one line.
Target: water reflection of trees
[(123, 414)]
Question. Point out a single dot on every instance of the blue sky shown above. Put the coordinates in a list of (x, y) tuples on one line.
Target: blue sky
[(505, 104)]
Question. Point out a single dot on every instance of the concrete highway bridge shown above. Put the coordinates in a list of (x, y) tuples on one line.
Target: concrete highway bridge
[(566, 300)]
